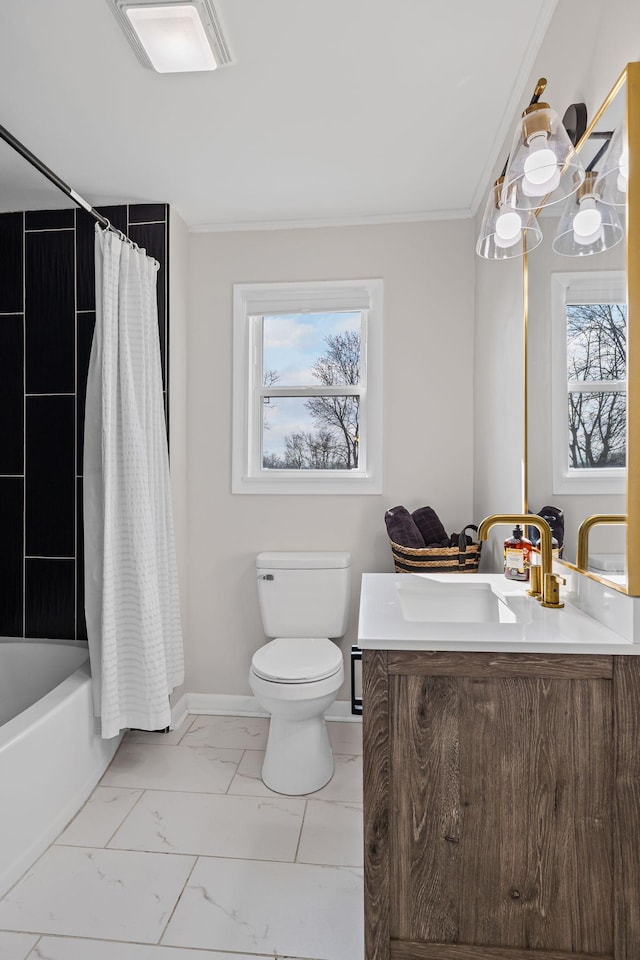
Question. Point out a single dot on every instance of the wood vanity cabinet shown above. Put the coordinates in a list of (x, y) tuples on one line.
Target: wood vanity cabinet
[(501, 806)]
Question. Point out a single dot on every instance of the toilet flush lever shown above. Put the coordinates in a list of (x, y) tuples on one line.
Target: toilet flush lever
[(266, 576)]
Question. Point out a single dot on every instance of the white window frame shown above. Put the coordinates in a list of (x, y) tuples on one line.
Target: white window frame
[(251, 301), (600, 286)]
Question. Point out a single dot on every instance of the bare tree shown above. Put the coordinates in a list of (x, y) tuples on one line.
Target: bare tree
[(597, 351), (271, 461), (333, 445), (309, 451), (339, 366), (269, 377)]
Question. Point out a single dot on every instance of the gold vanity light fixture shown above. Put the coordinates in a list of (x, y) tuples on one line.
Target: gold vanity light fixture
[(543, 165), (506, 230), (588, 225)]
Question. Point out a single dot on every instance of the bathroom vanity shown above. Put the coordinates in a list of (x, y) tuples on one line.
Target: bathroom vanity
[(501, 775)]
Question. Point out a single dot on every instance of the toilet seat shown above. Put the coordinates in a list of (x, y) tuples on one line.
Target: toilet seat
[(297, 660)]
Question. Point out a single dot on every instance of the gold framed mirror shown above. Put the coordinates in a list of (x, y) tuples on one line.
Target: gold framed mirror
[(562, 468)]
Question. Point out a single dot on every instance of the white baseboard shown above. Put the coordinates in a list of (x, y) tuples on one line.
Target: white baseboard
[(220, 704)]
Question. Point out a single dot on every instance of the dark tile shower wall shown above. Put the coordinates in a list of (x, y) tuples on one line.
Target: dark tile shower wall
[(47, 316)]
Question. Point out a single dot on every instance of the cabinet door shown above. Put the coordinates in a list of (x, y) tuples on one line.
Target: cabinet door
[(502, 807)]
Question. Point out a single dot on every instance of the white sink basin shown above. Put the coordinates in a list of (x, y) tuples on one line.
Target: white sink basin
[(432, 601), (474, 612)]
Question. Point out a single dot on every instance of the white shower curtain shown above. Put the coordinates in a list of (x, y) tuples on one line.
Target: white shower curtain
[(131, 587)]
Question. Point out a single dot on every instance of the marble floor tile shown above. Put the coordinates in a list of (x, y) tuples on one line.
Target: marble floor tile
[(61, 948), (345, 785), (16, 946), (287, 909), (200, 768), (245, 733), (259, 828), (247, 781), (345, 736), (102, 814), (332, 834), (346, 782), (109, 894), (272, 869)]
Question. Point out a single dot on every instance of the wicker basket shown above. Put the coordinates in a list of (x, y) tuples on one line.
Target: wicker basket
[(465, 558)]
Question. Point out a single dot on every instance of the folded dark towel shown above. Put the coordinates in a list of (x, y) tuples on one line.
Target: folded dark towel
[(429, 525), (555, 518), (402, 528)]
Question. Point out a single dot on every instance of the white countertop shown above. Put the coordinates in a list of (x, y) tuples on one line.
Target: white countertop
[(520, 625)]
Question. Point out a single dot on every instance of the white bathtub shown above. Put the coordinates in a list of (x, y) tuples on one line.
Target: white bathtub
[(51, 756)]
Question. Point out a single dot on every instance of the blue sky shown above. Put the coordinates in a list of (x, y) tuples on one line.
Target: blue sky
[(293, 342)]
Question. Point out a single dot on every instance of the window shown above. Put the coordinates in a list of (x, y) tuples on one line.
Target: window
[(307, 391), (589, 324)]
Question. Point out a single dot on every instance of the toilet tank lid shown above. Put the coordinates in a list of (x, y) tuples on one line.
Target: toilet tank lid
[(303, 560)]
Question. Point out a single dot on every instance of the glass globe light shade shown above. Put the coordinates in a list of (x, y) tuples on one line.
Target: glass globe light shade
[(506, 232), (543, 166), (614, 170), (588, 225)]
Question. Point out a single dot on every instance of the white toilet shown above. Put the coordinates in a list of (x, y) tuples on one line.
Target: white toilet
[(304, 600)]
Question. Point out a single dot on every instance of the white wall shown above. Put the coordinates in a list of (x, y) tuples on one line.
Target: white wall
[(586, 47), (542, 264), (178, 419), (427, 269), (498, 398)]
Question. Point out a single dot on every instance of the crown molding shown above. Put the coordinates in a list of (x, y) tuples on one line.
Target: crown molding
[(422, 216)]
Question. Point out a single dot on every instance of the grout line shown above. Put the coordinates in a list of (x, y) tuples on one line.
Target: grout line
[(226, 792), (24, 428), (302, 820), (126, 816), (34, 557), (49, 229), (187, 729), (178, 899), (75, 423)]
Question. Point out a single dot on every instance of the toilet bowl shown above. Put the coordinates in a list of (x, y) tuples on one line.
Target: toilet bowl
[(296, 692), (296, 676)]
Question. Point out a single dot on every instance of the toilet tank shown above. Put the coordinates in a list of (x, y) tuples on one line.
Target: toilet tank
[(304, 594)]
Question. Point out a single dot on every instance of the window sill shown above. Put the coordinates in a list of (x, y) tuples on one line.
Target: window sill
[(309, 485), (589, 484)]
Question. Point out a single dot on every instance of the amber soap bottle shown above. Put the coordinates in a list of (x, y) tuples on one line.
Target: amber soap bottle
[(517, 556)]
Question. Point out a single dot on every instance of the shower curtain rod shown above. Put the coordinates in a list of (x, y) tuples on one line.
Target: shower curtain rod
[(60, 184)]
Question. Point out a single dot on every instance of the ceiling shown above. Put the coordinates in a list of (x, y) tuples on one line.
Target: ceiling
[(335, 111)]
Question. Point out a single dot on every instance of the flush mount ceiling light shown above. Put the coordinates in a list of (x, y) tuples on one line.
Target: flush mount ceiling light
[(544, 166), (172, 36)]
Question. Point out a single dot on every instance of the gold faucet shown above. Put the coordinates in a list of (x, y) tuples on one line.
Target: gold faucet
[(550, 596), (582, 558)]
